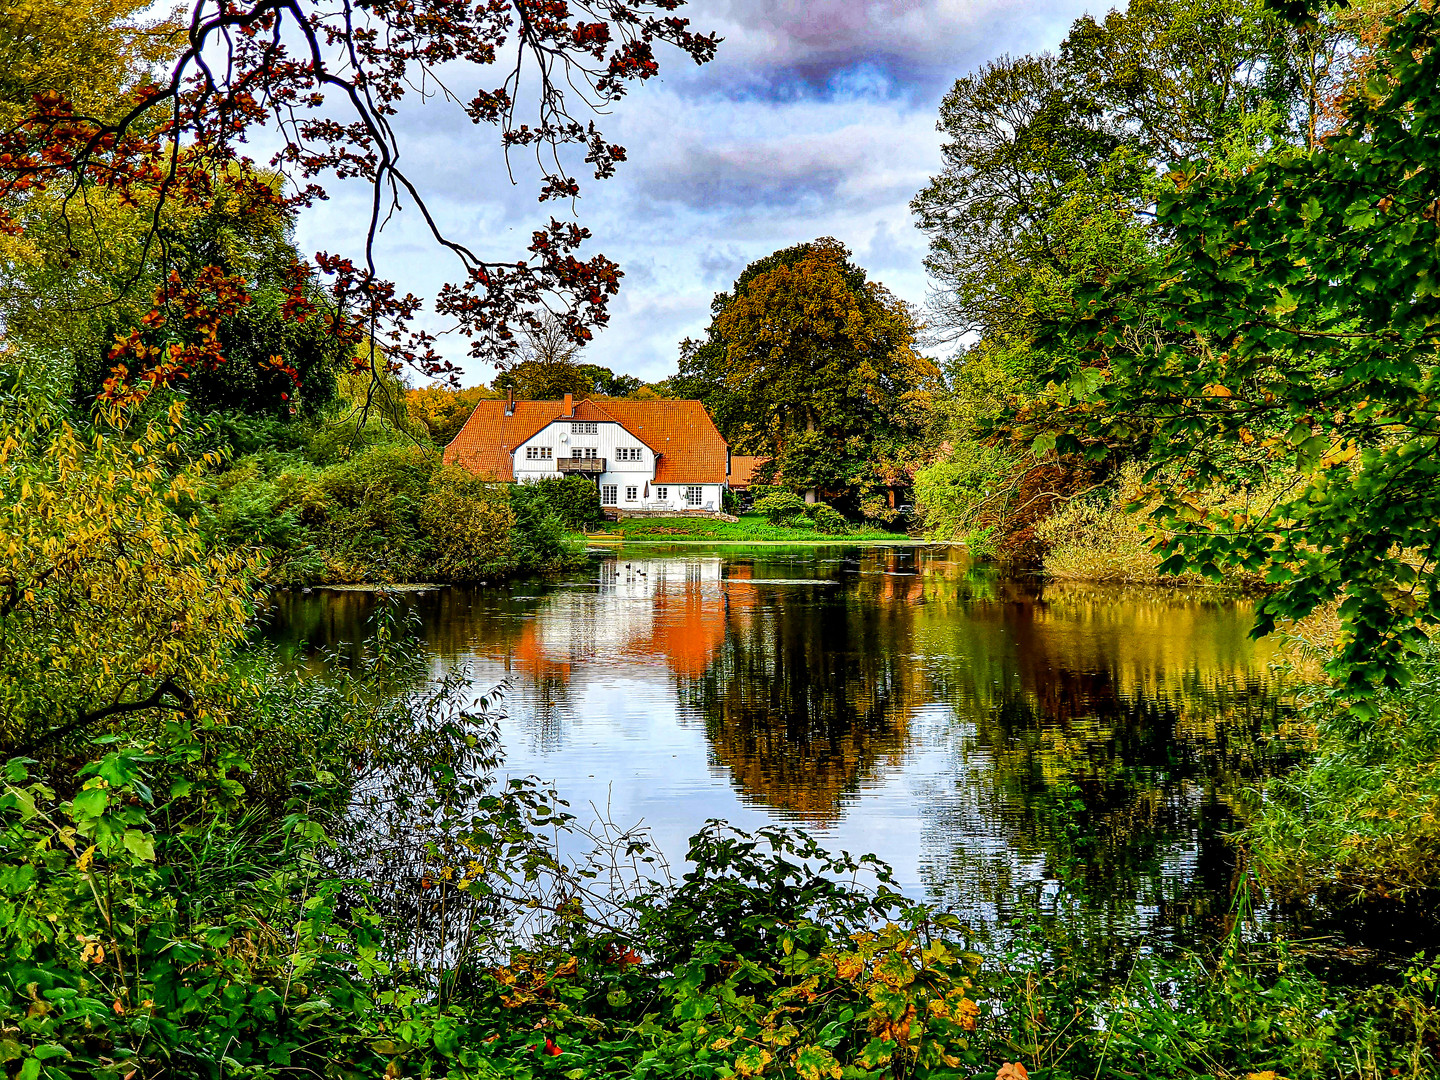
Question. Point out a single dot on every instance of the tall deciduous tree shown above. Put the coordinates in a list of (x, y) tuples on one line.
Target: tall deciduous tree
[(808, 361), (328, 83), (1295, 322)]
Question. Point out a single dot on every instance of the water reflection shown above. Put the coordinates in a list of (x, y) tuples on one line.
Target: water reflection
[(987, 736)]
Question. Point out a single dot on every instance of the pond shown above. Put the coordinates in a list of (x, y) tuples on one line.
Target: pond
[(989, 737)]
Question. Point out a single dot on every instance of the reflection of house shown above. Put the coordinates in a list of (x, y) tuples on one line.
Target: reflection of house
[(645, 455), (672, 609)]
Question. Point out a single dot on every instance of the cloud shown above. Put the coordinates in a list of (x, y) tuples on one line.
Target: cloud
[(783, 49), (817, 119)]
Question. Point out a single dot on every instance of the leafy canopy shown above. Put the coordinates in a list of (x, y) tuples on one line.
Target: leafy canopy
[(1294, 325)]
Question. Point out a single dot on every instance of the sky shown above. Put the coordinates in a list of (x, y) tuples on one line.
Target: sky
[(817, 118)]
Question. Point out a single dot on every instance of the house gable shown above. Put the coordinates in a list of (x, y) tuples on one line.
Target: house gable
[(690, 448)]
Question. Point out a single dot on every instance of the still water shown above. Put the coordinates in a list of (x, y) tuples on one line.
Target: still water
[(988, 737)]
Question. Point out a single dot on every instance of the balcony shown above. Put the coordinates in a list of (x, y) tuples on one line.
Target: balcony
[(589, 466)]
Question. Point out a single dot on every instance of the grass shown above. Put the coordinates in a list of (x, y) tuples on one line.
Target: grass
[(749, 527)]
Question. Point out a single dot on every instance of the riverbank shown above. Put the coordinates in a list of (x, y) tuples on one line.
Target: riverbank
[(749, 529)]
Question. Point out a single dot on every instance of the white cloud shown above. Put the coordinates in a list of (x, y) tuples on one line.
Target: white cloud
[(816, 120)]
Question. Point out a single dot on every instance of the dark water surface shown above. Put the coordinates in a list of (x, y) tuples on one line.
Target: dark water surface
[(988, 737)]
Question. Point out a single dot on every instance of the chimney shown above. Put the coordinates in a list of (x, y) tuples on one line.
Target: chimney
[(569, 405), (510, 401)]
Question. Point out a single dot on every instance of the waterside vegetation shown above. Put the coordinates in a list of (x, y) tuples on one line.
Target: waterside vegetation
[(214, 865)]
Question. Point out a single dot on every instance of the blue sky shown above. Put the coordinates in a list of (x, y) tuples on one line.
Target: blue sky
[(817, 118)]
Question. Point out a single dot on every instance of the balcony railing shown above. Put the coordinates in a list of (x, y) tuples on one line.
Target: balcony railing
[(580, 465)]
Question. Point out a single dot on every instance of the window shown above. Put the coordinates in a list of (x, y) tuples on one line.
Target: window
[(627, 453), (607, 495), (692, 495), (631, 494), (578, 428), (583, 453), (662, 494), (538, 453)]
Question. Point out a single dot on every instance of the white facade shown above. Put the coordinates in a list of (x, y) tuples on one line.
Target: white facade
[(628, 482)]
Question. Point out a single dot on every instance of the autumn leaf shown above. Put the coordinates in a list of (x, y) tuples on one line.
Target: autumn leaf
[(752, 1060), (813, 1062)]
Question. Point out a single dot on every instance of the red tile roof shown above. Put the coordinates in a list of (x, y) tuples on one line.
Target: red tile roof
[(742, 469), (691, 449)]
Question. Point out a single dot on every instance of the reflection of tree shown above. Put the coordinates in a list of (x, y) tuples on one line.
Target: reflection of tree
[(813, 688), (1109, 736)]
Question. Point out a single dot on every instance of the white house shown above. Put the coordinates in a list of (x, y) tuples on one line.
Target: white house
[(650, 456)]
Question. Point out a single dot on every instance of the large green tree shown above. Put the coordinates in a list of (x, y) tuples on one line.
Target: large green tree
[(809, 362), (1294, 329)]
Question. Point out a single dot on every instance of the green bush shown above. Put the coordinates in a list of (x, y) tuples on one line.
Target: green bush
[(575, 500), (949, 494), (780, 507), (1360, 818), (828, 520), (539, 539), (468, 524)]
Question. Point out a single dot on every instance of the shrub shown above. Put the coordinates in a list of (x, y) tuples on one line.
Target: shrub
[(575, 500), (950, 494), (468, 523), (780, 507), (539, 539), (1361, 818), (828, 520)]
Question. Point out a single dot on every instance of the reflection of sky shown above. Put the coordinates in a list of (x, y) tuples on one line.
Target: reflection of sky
[(597, 669)]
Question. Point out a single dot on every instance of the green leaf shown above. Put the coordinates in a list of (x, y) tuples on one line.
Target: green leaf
[(139, 844), (876, 1052), (90, 803)]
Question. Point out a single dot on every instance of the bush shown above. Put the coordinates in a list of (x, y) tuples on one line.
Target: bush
[(468, 523), (949, 494), (1361, 818), (780, 507), (575, 500), (828, 520), (539, 539)]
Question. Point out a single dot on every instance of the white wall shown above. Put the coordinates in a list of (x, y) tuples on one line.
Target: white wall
[(608, 438)]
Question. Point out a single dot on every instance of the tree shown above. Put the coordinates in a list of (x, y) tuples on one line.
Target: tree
[(809, 362), (1293, 327), (169, 139), (549, 369), (111, 604), (441, 411), (96, 53)]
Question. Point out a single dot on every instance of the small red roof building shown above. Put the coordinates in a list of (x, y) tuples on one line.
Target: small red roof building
[(625, 445)]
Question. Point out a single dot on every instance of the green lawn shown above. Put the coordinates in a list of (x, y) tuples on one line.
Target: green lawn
[(749, 527)]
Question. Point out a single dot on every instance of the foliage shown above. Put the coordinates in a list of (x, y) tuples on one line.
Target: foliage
[(386, 513), (750, 527), (1334, 828), (541, 539), (951, 495), (110, 601), (780, 506), (441, 412), (829, 520), (96, 54), (809, 363), (1240, 348), (575, 500), (469, 524)]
